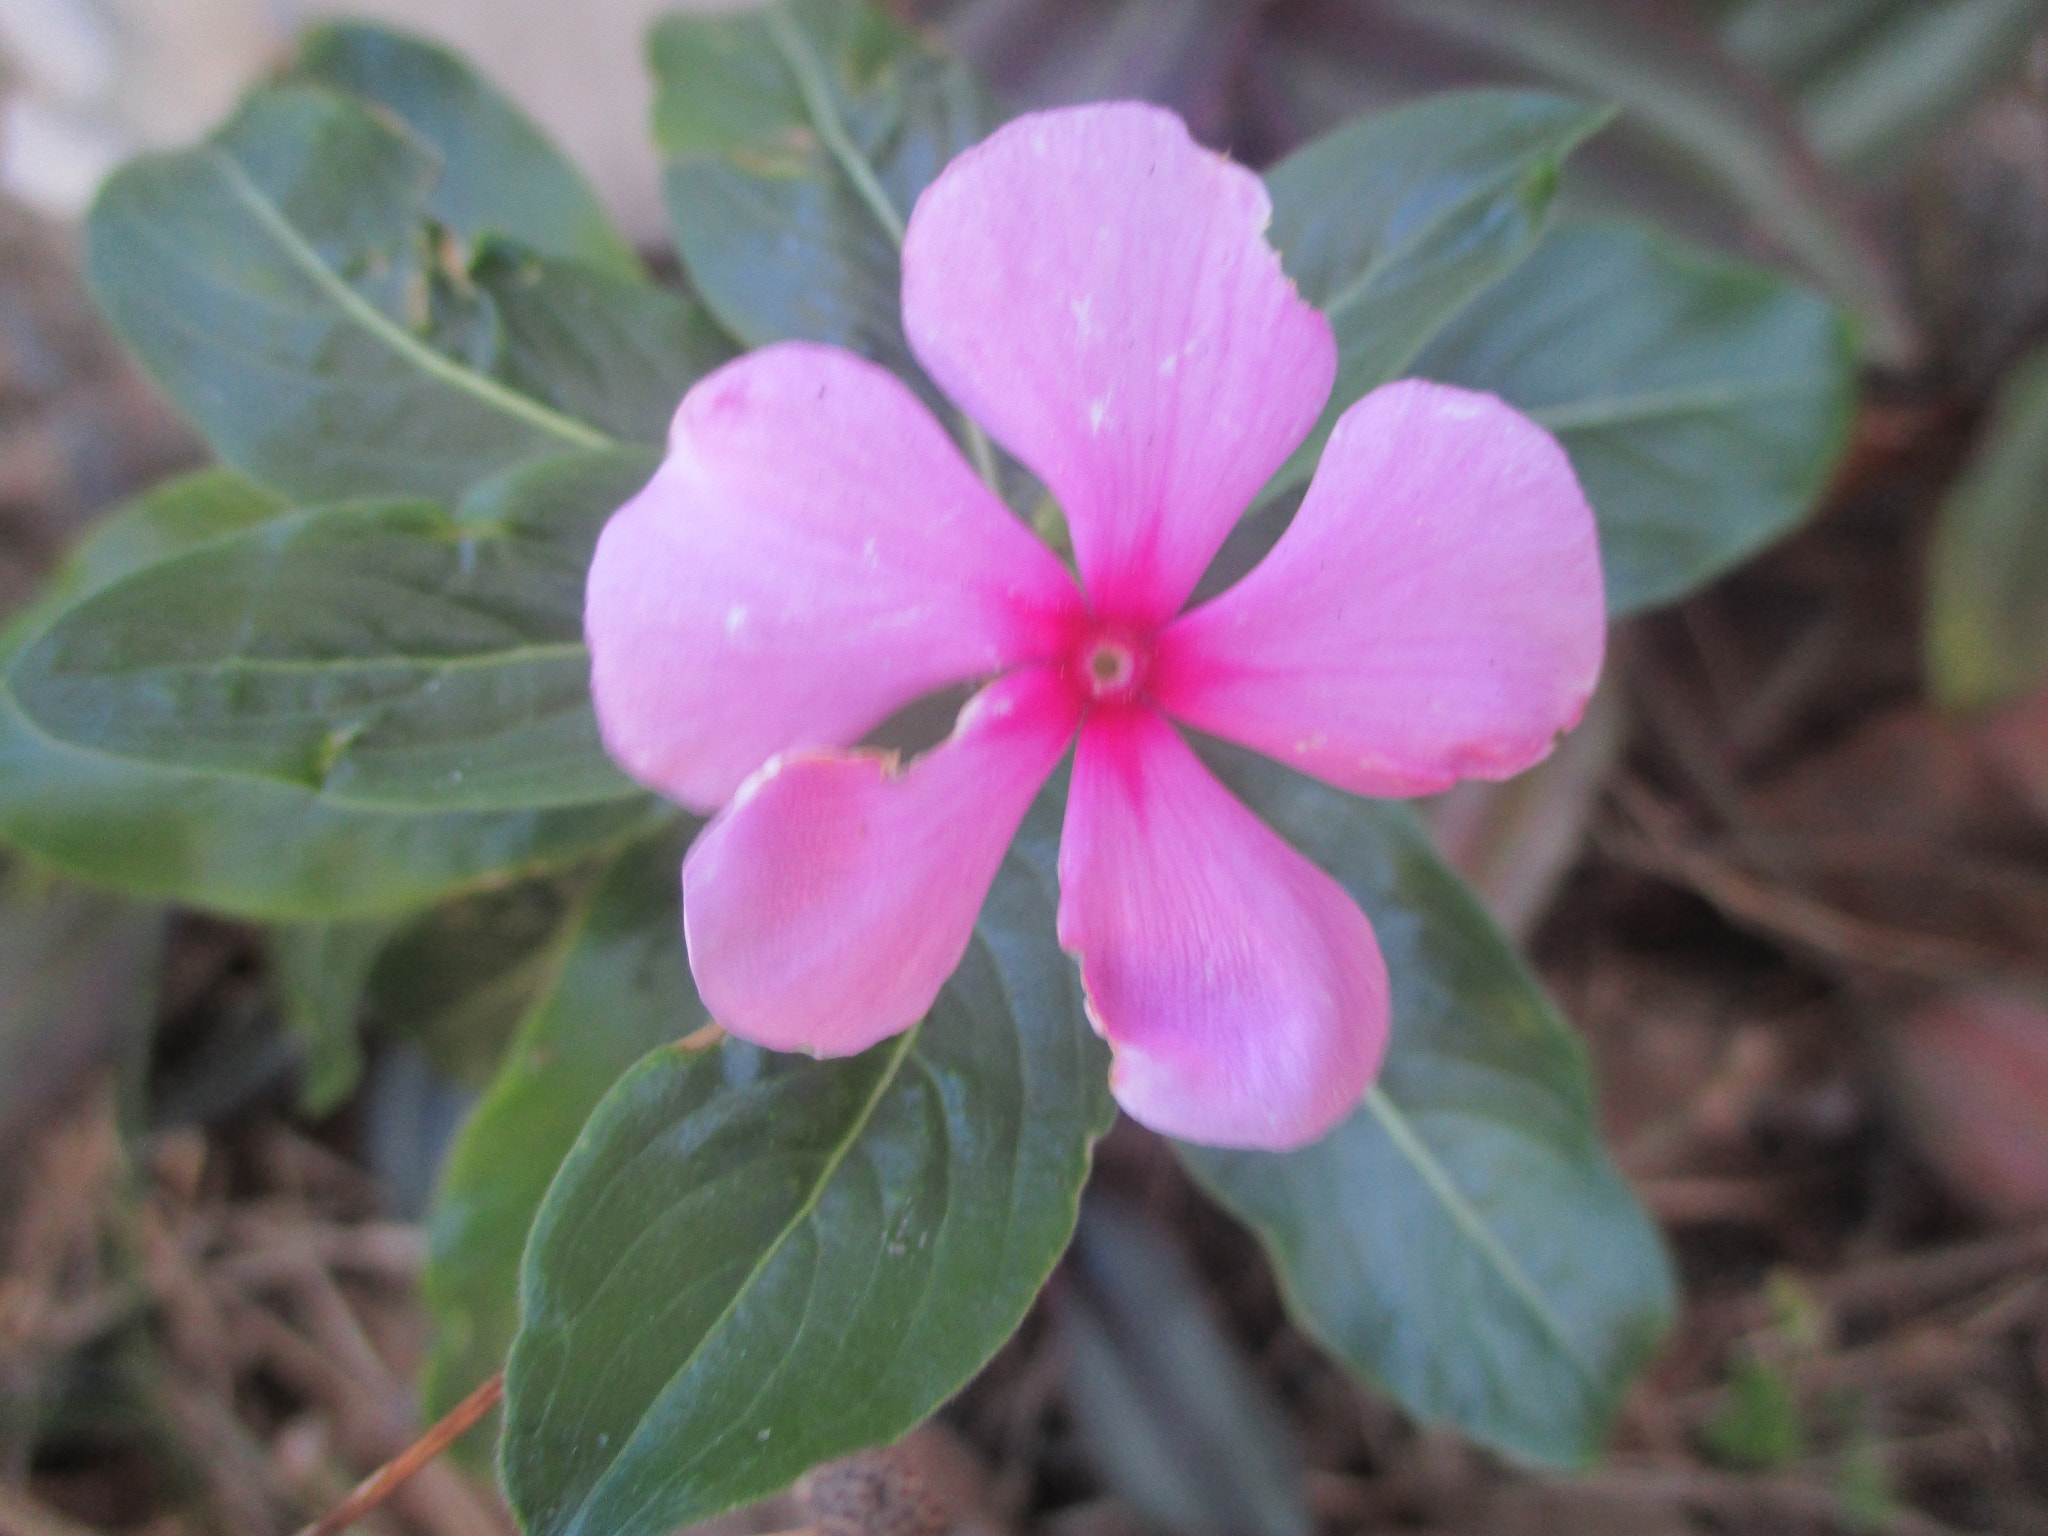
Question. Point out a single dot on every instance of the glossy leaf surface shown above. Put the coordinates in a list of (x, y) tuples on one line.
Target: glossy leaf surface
[(752, 1263), (1462, 1240), (1394, 222), (498, 175), (616, 352), (613, 984), (252, 847), (1703, 403), (271, 279), (797, 139), (389, 656)]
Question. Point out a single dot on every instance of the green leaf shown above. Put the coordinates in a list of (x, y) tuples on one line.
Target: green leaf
[(250, 847), (457, 980), (1874, 87), (499, 174), (797, 138), (386, 656), (272, 281), (1987, 596), (322, 970), (1680, 91), (1462, 1240), (751, 1263), (1703, 402), (613, 984), (614, 352), (1395, 221)]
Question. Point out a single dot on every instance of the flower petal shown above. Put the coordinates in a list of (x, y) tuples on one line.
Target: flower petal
[(1241, 988), (1434, 613), (829, 903), (812, 555), (1096, 290)]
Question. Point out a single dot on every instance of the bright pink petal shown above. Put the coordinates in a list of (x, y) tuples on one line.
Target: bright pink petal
[(812, 555), (1434, 613), (828, 904), (1241, 988), (1096, 290)]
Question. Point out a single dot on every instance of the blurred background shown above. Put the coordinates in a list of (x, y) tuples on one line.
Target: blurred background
[(1791, 877)]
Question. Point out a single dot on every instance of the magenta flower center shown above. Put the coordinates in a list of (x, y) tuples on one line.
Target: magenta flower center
[(1107, 663)]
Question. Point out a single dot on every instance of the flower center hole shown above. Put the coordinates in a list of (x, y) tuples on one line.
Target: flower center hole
[(1110, 667)]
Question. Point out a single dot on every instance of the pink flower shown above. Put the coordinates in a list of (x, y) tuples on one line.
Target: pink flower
[(1096, 291)]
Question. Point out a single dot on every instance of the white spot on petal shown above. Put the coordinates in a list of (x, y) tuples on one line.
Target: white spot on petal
[(1097, 409), (1084, 322), (1458, 407), (735, 618), (1169, 365), (868, 558)]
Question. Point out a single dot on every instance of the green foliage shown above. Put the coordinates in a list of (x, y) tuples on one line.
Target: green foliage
[(611, 351), (1462, 1240), (750, 1263), (1987, 599), (348, 683), (322, 970), (797, 138), (249, 847), (1760, 1427), (1703, 403), (608, 987), (1874, 79), (1395, 222), (389, 656), (498, 174), (273, 279)]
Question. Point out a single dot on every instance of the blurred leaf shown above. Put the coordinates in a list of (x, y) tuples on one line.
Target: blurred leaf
[(1462, 1240), (457, 980), (613, 984), (386, 656), (1703, 403), (616, 353), (1166, 1404), (252, 847), (1394, 222), (1184, 54), (1760, 1428), (321, 971), (1679, 86), (1987, 597), (498, 173), (78, 981), (797, 138), (1874, 80), (751, 1263), (271, 281)]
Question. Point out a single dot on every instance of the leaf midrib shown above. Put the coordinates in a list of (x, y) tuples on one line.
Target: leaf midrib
[(855, 1129), (1648, 405), (288, 666), (1553, 145), (368, 318), (1468, 1221)]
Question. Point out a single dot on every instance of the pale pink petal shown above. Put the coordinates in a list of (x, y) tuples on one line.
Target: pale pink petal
[(812, 555), (1434, 613), (830, 901), (1241, 988), (1096, 290)]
